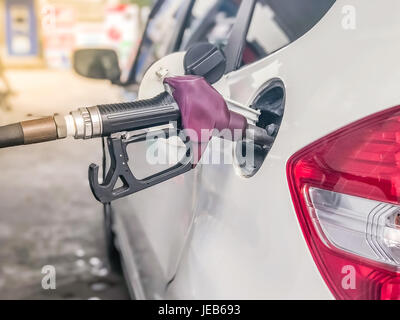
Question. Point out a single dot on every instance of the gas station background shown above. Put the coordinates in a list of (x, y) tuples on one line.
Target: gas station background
[(44, 33), (37, 40)]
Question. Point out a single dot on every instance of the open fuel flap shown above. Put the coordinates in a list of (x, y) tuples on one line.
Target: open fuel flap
[(270, 103)]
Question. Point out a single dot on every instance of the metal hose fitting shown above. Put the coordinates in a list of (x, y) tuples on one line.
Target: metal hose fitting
[(87, 123)]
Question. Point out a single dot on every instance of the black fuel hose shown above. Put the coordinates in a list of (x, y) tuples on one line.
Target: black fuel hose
[(29, 132), (11, 135)]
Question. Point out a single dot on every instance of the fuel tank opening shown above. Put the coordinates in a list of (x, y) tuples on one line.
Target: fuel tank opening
[(271, 103)]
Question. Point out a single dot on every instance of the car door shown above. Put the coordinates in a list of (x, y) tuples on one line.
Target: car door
[(160, 229)]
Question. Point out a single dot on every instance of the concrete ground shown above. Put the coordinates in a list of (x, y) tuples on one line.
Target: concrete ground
[(47, 213)]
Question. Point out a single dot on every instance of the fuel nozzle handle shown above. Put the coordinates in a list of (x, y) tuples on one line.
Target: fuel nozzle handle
[(104, 120)]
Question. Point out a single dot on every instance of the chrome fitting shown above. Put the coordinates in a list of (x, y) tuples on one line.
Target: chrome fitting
[(97, 124), (87, 123)]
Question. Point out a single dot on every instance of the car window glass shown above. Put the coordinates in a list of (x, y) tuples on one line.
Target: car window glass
[(277, 23), (158, 36), (211, 21)]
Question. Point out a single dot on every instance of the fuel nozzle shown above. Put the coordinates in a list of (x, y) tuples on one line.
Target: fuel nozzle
[(190, 102), (93, 122)]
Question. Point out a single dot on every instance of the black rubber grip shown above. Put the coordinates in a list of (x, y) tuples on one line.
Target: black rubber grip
[(11, 135), (137, 115)]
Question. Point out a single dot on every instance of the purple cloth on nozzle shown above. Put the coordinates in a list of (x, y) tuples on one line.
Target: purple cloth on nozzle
[(203, 108)]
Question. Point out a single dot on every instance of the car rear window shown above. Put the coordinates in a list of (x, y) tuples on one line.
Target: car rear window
[(277, 23), (211, 21)]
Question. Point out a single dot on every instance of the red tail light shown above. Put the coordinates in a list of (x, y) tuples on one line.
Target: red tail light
[(346, 192)]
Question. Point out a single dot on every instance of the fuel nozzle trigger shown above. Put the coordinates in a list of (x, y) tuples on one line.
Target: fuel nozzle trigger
[(117, 144)]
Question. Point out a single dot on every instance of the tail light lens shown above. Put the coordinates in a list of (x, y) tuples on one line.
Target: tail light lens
[(346, 192)]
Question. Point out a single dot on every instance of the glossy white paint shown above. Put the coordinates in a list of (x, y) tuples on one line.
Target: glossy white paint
[(220, 236)]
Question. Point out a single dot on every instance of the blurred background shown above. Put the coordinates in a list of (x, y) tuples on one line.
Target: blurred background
[(47, 213)]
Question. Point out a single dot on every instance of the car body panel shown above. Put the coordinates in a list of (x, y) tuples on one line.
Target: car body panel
[(217, 235)]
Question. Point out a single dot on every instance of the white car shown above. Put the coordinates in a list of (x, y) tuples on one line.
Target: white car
[(318, 215)]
